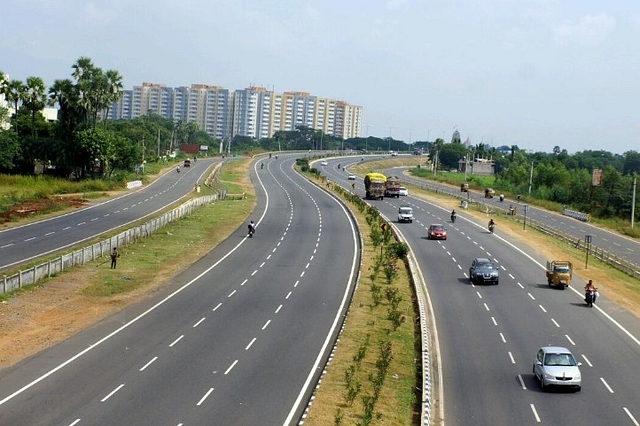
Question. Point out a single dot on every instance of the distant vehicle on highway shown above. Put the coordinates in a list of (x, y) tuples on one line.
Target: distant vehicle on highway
[(405, 214), (351, 177), (404, 191), (324, 163)]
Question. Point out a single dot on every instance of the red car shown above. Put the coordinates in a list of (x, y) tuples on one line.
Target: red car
[(437, 232)]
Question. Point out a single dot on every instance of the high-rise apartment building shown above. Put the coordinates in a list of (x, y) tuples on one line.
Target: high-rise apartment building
[(254, 111)]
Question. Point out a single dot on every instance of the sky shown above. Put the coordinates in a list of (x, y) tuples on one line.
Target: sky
[(532, 73)]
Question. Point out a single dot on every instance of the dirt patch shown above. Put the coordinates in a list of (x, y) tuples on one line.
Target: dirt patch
[(45, 315), (38, 208)]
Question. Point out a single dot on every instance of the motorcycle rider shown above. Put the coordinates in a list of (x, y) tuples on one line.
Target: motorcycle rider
[(453, 215), (492, 224), (252, 228), (590, 293), (178, 169)]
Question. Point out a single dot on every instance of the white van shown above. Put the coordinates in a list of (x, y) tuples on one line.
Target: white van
[(405, 214)]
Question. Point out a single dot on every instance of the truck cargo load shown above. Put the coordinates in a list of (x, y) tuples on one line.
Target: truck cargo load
[(392, 187), (375, 186)]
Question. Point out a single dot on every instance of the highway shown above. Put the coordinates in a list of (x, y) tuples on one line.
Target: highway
[(27, 242), (488, 335), (619, 245), (237, 339)]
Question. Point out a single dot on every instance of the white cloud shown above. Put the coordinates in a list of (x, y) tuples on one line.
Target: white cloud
[(588, 31)]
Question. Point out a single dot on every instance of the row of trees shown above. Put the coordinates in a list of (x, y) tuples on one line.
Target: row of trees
[(556, 176), (81, 143), (69, 143)]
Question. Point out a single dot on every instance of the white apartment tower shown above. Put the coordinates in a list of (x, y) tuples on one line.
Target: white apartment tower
[(253, 112)]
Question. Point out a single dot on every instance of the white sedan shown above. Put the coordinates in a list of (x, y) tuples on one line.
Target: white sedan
[(351, 177), (323, 163), (404, 191), (556, 366)]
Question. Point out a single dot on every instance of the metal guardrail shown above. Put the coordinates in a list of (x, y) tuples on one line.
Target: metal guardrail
[(100, 249), (630, 268)]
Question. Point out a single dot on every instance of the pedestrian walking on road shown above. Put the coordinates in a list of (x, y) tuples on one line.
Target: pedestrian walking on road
[(114, 257)]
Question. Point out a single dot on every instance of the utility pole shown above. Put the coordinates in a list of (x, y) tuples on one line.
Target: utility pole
[(530, 178), (633, 202)]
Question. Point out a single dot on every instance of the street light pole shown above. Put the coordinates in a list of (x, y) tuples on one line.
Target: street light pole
[(633, 202), (587, 241), (530, 178)]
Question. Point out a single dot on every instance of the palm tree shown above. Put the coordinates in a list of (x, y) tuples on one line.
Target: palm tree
[(34, 99), (83, 73), (60, 93), (114, 92), (64, 94), (4, 81), (13, 92)]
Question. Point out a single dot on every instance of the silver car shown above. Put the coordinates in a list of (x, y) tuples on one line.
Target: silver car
[(556, 366)]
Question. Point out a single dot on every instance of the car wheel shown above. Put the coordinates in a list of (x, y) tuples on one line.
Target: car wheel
[(578, 389), (497, 282)]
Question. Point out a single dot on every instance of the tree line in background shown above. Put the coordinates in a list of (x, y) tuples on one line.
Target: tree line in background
[(82, 144), (556, 176)]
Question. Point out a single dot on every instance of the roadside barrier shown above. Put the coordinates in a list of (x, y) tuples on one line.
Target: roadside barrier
[(576, 215), (611, 259), (100, 249)]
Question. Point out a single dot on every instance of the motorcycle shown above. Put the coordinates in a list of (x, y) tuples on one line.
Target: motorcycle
[(178, 170), (590, 297), (492, 228), (252, 231), (453, 218)]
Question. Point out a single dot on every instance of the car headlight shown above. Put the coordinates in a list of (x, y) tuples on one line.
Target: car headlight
[(549, 376)]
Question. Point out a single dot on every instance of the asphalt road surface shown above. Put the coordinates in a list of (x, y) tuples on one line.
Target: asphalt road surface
[(488, 335), (240, 338), (24, 243)]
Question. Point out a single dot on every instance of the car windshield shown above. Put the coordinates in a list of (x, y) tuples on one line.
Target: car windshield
[(559, 360), (437, 228), (405, 210)]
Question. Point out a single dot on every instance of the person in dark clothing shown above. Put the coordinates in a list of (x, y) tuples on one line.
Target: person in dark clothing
[(114, 257)]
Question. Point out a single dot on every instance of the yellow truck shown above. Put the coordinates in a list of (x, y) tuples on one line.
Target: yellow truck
[(559, 273), (375, 186)]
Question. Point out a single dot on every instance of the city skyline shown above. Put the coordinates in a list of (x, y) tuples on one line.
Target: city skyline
[(253, 112)]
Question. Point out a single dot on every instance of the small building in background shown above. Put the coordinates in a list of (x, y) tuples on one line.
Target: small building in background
[(478, 166)]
